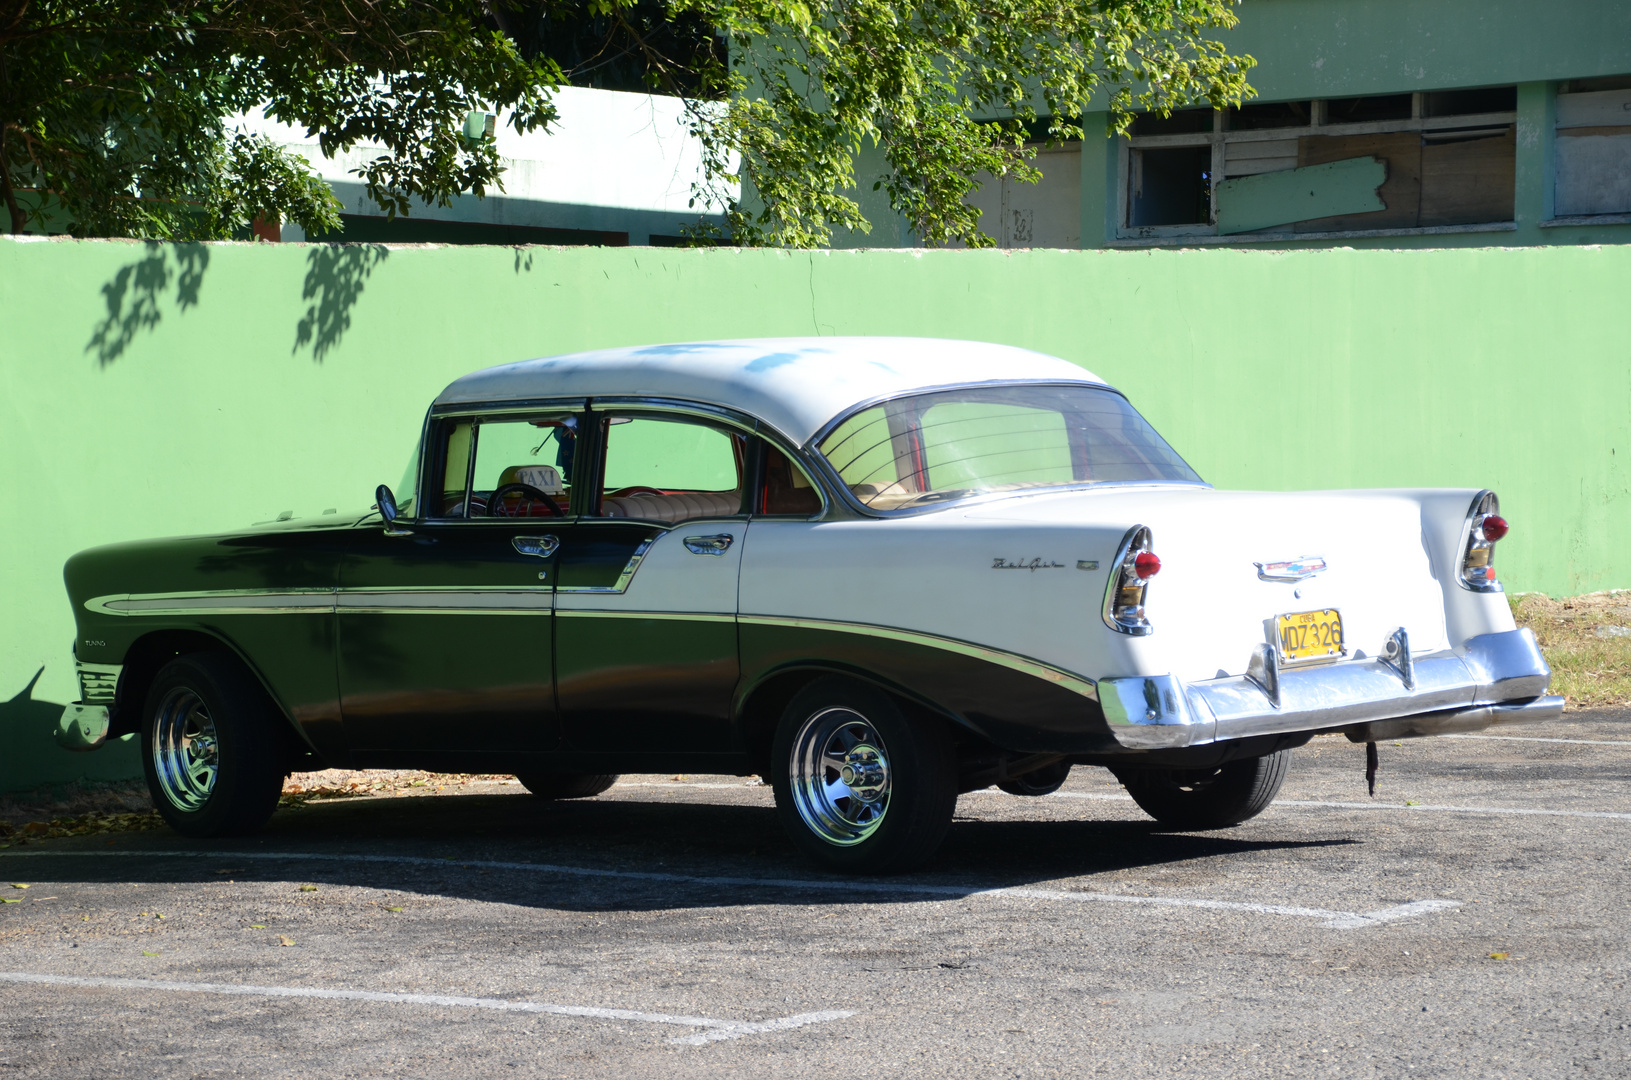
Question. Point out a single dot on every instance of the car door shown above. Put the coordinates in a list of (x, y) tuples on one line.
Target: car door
[(446, 634), (646, 649)]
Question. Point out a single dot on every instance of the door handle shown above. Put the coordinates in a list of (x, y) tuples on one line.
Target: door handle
[(541, 546), (717, 544)]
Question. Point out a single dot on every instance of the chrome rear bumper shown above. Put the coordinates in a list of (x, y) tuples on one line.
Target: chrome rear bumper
[(1492, 679)]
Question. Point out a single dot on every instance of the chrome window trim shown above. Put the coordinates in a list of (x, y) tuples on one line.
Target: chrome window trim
[(701, 410), (501, 410), (1040, 669), (988, 384), (830, 474)]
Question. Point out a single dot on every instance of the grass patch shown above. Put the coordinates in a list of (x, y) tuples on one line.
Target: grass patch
[(1587, 640)]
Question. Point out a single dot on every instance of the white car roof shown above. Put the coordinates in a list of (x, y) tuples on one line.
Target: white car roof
[(796, 385)]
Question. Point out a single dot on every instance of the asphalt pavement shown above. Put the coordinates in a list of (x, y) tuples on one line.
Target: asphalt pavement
[(1470, 921)]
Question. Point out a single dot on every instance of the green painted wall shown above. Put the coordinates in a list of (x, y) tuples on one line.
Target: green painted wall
[(148, 389)]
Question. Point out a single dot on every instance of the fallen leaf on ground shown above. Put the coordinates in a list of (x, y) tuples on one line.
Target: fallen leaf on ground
[(10, 900), (284, 940), (149, 954), (257, 926), (393, 909), (1500, 956), (18, 885), (308, 888)]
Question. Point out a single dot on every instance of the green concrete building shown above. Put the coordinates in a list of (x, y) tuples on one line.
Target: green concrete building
[(1377, 123)]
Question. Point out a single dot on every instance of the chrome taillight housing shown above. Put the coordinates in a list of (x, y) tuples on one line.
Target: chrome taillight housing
[(1484, 527), (1129, 582)]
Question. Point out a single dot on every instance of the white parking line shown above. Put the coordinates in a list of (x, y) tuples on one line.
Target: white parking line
[(1538, 738), (1336, 920), (1521, 811), (715, 1030), (1317, 804)]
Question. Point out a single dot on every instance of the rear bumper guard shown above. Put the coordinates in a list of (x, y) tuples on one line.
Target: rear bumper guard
[(1491, 679)]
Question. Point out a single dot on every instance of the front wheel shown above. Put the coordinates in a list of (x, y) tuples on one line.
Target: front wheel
[(548, 785), (860, 786), (211, 747), (1208, 798)]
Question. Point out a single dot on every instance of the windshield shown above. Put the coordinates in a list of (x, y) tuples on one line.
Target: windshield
[(954, 444)]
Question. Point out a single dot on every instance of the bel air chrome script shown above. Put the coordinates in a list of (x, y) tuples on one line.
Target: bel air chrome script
[(1027, 564)]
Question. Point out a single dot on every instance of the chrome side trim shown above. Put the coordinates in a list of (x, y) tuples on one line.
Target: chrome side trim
[(215, 602), (629, 568), (1013, 661), (428, 600), (1487, 670), (621, 613), (446, 601)]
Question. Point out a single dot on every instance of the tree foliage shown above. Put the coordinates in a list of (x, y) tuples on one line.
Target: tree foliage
[(116, 115), (941, 91)]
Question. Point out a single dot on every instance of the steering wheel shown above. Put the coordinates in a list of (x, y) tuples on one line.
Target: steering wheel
[(633, 489), (527, 492)]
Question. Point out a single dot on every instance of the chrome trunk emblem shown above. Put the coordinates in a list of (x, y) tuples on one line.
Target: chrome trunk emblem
[(1290, 570)]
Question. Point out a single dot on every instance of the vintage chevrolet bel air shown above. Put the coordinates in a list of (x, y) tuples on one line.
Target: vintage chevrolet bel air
[(878, 572)]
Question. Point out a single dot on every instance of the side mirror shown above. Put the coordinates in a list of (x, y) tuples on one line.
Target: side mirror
[(388, 511)]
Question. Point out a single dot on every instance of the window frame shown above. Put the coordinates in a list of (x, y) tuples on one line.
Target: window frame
[(433, 452), (1221, 137), (828, 475)]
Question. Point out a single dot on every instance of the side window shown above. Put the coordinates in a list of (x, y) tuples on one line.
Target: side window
[(525, 461), (786, 488), (670, 470)]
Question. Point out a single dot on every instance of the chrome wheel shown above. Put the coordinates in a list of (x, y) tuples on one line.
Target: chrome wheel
[(186, 752), (840, 776)]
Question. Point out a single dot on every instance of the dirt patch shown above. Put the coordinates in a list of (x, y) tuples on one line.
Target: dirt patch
[(1587, 640), (355, 783), (86, 809)]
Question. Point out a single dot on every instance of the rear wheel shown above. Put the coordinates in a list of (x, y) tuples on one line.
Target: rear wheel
[(212, 747), (1208, 798), (548, 785), (860, 786)]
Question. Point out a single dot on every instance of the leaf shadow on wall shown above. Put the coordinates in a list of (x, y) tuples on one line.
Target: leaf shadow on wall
[(135, 295), (335, 277)]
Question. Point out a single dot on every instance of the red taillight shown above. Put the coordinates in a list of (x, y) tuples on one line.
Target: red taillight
[(1147, 564), (1485, 525)]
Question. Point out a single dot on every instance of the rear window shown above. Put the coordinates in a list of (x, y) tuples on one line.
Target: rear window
[(955, 444)]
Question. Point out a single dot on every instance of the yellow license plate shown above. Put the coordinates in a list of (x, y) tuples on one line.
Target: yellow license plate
[(1310, 635)]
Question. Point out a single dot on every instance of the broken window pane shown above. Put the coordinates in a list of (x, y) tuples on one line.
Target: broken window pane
[(1274, 115), (1171, 187), (1469, 102), (1182, 122), (1360, 110)]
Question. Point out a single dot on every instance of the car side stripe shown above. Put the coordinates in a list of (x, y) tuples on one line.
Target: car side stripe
[(1013, 661)]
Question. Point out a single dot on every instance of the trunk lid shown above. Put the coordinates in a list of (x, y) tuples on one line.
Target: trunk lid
[(1210, 605)]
